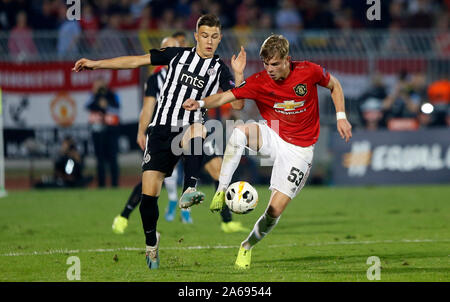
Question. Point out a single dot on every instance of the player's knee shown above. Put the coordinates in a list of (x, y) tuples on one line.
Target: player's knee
[(273, 211)]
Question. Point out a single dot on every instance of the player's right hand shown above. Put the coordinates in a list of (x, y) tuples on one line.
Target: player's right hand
[(83, 64), (141, 138), (191, 104)]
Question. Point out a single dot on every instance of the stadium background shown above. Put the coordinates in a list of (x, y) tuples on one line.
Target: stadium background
[(43, 100)]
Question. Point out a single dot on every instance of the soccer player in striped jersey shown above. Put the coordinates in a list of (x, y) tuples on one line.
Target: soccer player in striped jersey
[(286, 96), (193, 73), (212, 163)]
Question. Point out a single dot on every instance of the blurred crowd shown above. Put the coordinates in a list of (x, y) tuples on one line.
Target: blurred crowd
[(410, 105), (413, 102), (246, 14)]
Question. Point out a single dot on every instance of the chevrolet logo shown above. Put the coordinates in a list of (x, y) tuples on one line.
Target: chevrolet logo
[(289, 105)]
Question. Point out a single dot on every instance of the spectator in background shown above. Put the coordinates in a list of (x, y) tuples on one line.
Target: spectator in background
[(403, 104), (439, 107), (196, 12), (420, 13), (68, 169), (146, 21), (183, 9), (111, 36), (246, 23), (167, 20), (9, 10), (370, 104), (315, 15), (104, 120), (180, 36), (102, 10), (394, 42), (398, 14), (137, 6), (216, 9), (265, 22), (90, 24), (289, 20), (47, 19), (246, 19), (68, 33), (20, 44), (442, 44)]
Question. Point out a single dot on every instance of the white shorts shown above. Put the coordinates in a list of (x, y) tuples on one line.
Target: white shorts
[(291, 163)]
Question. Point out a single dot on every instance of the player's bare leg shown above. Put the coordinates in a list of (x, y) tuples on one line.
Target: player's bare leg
[(151, 188), (243, 136), (213, 167), (192, 144), (267, 221)]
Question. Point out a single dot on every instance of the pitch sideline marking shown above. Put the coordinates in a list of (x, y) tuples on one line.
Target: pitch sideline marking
[(61, 251)]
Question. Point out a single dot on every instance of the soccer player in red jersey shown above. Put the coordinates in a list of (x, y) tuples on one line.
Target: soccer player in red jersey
[(286, 96)]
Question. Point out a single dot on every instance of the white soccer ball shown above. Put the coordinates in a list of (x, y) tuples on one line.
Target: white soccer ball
[(241, 197)]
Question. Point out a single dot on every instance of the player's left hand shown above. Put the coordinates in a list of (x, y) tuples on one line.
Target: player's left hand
[(345, 129), (191, 104), (238, 63)]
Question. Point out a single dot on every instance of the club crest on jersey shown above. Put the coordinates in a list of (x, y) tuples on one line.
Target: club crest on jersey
[(289, 105), (211, 72), (300, 90)]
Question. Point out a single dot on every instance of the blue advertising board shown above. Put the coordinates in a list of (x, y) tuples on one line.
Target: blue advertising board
[(390, 157)]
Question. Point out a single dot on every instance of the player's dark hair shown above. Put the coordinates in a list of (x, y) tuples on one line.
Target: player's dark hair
[(208, 20), (179, 33), (274, 45)]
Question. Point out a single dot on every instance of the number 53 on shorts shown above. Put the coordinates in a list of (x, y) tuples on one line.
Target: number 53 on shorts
[(296, 176)]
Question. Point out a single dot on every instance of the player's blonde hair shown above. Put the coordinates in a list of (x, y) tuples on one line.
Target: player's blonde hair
[(274, 45)]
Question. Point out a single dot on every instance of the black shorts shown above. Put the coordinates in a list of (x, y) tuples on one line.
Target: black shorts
[(158, 153)]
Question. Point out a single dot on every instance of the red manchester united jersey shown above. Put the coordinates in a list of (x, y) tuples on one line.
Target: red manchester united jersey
[(292, 103)]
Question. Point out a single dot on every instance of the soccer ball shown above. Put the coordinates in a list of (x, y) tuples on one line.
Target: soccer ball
[(241, 197)]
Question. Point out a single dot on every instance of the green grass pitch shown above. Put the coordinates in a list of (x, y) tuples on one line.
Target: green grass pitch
[(325, 234)]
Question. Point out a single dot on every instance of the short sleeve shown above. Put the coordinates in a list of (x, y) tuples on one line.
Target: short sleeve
[(248, 89), (226, 80), (151, 86), (163, 56), (321, 75)]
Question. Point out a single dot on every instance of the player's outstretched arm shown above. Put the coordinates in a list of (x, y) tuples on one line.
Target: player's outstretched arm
[(337, 95), (213, 101), (126, 62)]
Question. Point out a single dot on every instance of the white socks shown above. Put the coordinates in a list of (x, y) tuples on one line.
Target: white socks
[(231, 158), (262, 227), (171, 185)]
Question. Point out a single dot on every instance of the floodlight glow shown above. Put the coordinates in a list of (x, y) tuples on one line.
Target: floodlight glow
[(427, 108)]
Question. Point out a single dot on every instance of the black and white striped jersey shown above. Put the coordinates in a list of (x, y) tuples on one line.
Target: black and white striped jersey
[(155, 83), (153, 86), (188, 76)]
